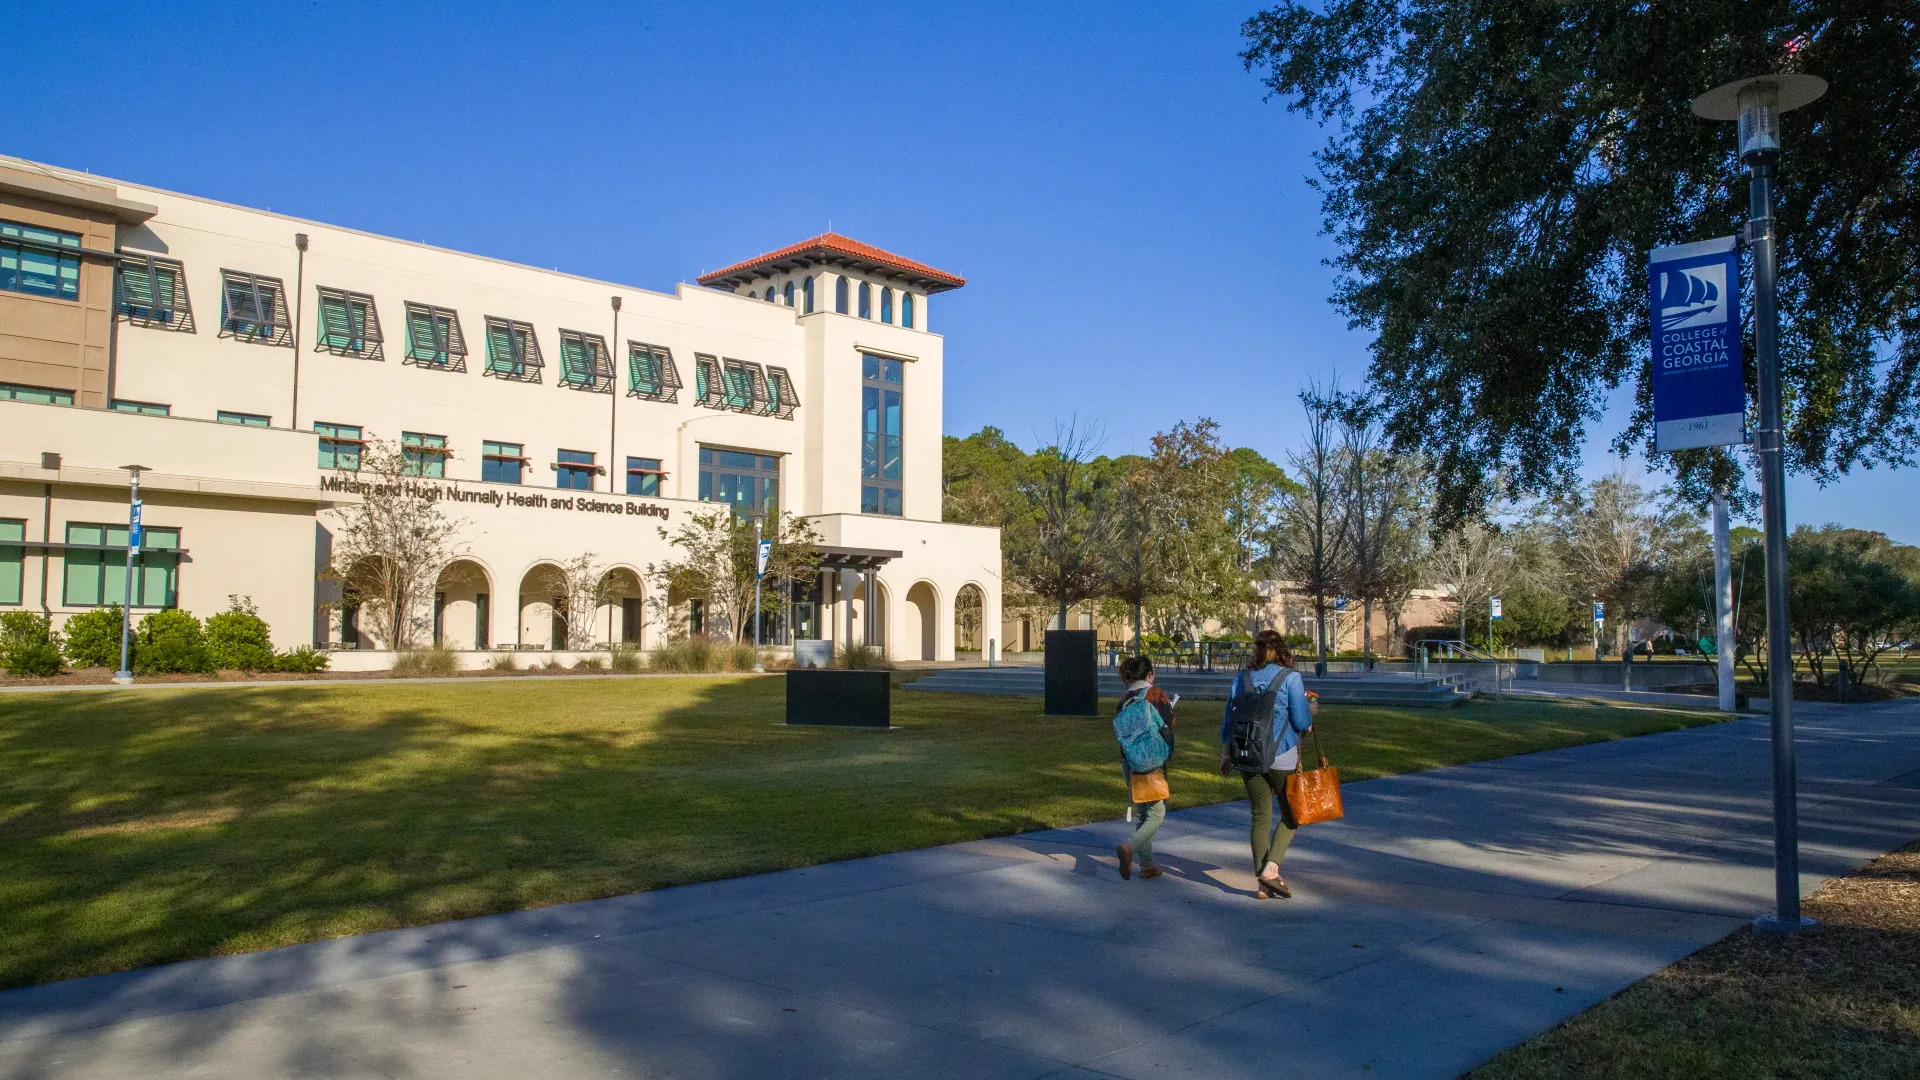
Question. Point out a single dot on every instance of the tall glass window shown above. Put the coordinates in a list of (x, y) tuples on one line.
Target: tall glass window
[(12, 559), (644, 476), (840, 295), (880, 478), (339, 446), (787, 293), (574, 469), (502, 462), (39, 262), (749, 482), (96, 571), (866, 300), (806, 295), (426, 455), (906, 310), (886, 304)]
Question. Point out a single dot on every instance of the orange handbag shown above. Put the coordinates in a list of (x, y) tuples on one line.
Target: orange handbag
[(1314, 794), (1149, 787)]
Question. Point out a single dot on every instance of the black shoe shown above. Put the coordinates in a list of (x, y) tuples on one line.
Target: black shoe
[(1126, 861)]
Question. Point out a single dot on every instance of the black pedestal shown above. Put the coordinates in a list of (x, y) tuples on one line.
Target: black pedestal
[(839, 698), (1073, 673)]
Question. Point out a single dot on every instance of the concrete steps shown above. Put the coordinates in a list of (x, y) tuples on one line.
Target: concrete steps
[(1377, 688)]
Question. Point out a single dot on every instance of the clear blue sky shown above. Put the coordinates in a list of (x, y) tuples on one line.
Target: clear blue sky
[(1135, 222)]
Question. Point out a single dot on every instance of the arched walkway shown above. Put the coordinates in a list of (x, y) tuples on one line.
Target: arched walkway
[(462, 606), (921, 625), (541, 624), (879, 617), (969, 618), (621, 614)]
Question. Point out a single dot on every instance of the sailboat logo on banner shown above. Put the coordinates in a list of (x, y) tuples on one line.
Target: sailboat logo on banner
[(1695, 296)]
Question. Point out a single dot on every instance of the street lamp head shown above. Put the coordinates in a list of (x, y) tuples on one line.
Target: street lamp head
[(1757, 104), (136, 469)]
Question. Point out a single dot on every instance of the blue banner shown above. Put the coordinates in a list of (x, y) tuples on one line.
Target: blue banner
[(133, 529), (1699, 391)]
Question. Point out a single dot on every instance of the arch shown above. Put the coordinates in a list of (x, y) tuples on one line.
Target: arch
[(886, 304), (866, 300), (840, 295), (806, 295), (969, 618), (906, 309), (539, 623), (787, 294), (621, 615), (463, 605), (879, 615), (920, 627), (771, 295)]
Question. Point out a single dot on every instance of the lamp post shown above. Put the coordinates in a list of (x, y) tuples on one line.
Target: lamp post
[(124, 677), (1756, 104)]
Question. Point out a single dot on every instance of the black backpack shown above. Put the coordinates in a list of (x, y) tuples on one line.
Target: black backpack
[(1250, 727)]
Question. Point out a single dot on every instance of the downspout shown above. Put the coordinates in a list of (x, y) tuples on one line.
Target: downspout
[(299, 304), (46, 553), (613, 411)]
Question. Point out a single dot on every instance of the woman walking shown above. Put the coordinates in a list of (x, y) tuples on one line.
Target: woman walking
[(1270, 669), (1146, 735)]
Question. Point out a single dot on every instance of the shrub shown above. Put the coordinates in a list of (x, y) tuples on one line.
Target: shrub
[(28, 644), (688, 655), (93, 637), (503, 662), (304, 660), (436, 661), (624, 658), (170, 641), (238, 638), (744, 657), (590, 663), (863, 658)]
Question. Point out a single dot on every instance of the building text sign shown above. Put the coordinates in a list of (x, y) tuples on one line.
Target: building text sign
[(553, 500), (1699, 390)]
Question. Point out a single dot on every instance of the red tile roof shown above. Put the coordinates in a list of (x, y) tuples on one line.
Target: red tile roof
[(833, 248)]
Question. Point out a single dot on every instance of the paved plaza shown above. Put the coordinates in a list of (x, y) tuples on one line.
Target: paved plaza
[(1452, 914)]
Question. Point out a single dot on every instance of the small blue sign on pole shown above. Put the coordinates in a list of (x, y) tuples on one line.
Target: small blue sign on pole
[(1699, 389), (764, 552), (1599, 610), (1494, 612), (133, 529)]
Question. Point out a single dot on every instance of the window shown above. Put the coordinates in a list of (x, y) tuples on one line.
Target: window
[(583, 362), (39, 262), (840, 295), (152, 291), (748, 482), (254, 308), (575, 469), (866, 300), (144, 408), (906, 310), (644, 476), (806, 294), (13, 558), (782, 400), (502, 462), (512, 350), (426, 455), (743, 385), (96, 566), (348, 325), (339, 446), (39, 395), (651, 373), (709, 389), (771, 296), (788, 294), (244, 418), (886, 304), (880, 480), (434, 339)]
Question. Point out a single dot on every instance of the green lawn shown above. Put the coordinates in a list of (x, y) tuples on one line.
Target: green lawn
[(142, 827)]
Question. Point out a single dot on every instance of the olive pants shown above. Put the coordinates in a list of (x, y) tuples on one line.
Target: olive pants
[(1271, 837), (1147, 817)]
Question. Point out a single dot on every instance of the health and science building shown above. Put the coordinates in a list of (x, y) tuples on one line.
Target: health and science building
[(245, 358)]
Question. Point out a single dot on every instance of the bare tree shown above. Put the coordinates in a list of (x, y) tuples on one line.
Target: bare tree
[(578, 586), (1315, 553), (1474, 561), (393, 543), (718, 564), (1064, 541), (1382, 518), (1609, 537)]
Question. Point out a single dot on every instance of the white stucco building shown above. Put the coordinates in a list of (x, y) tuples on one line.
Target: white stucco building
[(244, 356)]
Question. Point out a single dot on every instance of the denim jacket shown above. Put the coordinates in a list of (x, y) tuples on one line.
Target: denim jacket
[(1290, 716)]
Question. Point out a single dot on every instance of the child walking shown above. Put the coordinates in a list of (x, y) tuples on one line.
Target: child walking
[(1144, 725)]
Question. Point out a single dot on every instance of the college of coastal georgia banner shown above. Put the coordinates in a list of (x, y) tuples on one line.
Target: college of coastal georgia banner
[(1699, 391)]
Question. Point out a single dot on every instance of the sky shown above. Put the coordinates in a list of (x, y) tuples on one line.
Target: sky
[(1136, 223)]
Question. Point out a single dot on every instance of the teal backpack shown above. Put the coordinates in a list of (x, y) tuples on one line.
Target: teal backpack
[(1137, 726)]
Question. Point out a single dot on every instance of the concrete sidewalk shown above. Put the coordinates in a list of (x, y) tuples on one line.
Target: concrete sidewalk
[(1453, 913)]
